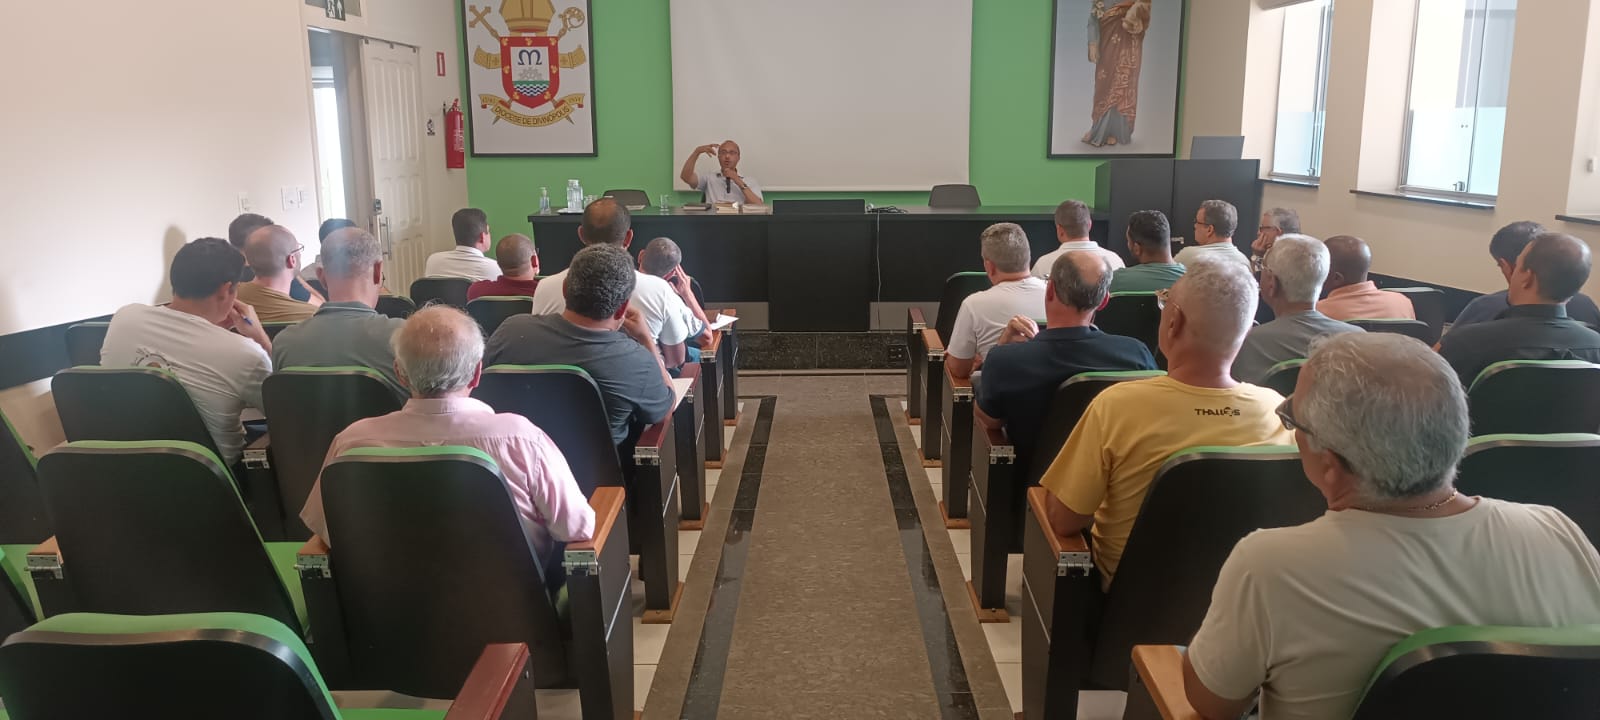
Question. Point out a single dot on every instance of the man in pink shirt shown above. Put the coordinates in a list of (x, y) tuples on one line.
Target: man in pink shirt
[(1351, 296), (439, 356)]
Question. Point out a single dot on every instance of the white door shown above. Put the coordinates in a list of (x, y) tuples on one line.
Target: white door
[(389, 75)]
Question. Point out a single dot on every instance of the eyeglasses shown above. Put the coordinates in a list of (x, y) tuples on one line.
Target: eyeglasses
[(1164, 298), (1286, 416), (297, 250)]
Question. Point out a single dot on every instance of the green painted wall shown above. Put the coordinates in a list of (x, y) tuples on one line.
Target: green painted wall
[(1010, 98)]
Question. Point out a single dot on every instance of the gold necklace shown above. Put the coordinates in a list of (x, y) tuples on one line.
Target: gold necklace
[(1418, 508)]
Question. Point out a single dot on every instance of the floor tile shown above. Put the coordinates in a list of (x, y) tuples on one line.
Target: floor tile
[(965, 561), (1011, 677), (642, 677), (1100, 704), (648, 641), (1005, 641), (683, 567), (935, 475), (688, 540), (961, 540)]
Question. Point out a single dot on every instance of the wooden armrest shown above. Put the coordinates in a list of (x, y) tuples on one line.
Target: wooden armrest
[(48, 548), (655, 436), (313, 547), (915, 315), (1160, 667), (996, 437), (494, 678), (261, 443), (931, 341), (690, 371), (956, 383), (607, 504), (311, 560), (1038, 501)]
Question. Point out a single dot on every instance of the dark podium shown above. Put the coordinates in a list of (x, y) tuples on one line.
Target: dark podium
[(1177, 187)]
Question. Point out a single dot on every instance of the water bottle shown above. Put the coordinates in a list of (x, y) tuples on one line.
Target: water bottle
[(574, 196), (544, 201)]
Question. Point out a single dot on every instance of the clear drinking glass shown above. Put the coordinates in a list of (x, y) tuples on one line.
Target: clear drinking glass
[(665, 208)]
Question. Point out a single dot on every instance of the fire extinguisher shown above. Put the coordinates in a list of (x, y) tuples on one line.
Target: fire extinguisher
[(455, 137)]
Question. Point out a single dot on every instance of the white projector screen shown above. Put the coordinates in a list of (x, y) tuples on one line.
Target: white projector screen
[(826, 94)]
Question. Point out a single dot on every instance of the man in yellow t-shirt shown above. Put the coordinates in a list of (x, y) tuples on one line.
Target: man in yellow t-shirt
[(1132, 428)]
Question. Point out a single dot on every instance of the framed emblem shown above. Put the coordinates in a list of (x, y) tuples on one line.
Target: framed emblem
[(530, 78)]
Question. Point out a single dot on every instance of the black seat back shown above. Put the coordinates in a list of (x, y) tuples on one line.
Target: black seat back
[(431, 564), (22, 515), (1071, 399), (396, 306), (491, 310), (1399, 326), (450, 291), (630, 199), (565, 403), (1536, 396), (1488, 672), (273, 328), (306, 407), (953, 196), (1283, 376), (155, 528), (956, 289), (1168, 569), (84, 341), (1428, 303), (1559, 470), (1135, 315), (127, 403), (16, 608)]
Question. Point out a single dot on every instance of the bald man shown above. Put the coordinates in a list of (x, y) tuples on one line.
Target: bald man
[(727, 185), (274, 256), (519, 269), (1351, 296), (1535, 327)]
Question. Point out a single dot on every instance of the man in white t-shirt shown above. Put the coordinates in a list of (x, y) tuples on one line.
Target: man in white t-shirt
[(190, 337), (983, 315), (1304, 614), (467, 260), (726, 185), (1214, 225), (1072, 230), (669, 319)]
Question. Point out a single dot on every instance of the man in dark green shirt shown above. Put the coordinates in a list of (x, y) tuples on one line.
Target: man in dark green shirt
[(1150, 242)]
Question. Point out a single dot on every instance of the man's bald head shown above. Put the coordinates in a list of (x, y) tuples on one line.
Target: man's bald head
[(350, 253), (1349, 258), (1081, 280), (515, 253), (1559, 264), (438, 351), (660, 257), (1218, 299), (268, 250), (606, 221), (728, 154)]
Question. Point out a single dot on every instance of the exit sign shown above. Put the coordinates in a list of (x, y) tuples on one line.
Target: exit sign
[(335, 9)]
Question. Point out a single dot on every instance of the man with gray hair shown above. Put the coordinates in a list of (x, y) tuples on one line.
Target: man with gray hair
[(1302, 615), (600, 332), (439, 356), (983, 315), (346, 330), (1291, 280), (274, 256), (1214, 225), (1102, 473), (1275, 223)]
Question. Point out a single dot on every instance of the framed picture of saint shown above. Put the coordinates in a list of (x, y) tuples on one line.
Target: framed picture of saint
[(1114, 78)]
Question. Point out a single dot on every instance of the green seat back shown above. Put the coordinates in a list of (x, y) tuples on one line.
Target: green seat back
[(565, 403), (1488, 672), (22, 515), (1536, 396), (18, 608), (491, 310), (1283, 376), (1135, 315), (127, 403), (1559, 470), (956, 289)]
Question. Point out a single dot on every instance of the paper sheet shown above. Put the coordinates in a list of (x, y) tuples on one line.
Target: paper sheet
[(721, 321)]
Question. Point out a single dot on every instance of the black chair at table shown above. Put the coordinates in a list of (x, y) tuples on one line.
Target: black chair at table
[(1074, 637), (306, 407), (395, 306), (1399, 326), (491, 310), (953, 196), (1561, 470), (1007, 469), (1136, 315), (630, 199), (1535, 396), (1283, 376), (1428, 304), (925, 357), (84, 341), (450, 291), (429, 562)]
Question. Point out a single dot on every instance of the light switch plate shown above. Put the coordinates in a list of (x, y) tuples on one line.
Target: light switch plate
[(244, 202)]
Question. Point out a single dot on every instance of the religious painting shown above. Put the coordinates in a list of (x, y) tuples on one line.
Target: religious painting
[(1114, 78), (530, 77)]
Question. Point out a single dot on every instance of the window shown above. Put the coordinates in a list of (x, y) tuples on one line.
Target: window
[(1302, 90), (1456, 114)]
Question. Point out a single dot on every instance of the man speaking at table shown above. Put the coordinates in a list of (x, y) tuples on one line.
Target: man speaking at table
[(726, 186)]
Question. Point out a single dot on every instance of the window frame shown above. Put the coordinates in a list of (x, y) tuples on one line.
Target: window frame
[(1320, 125)]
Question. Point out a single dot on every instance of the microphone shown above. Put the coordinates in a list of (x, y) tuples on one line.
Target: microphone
[(727, 184)]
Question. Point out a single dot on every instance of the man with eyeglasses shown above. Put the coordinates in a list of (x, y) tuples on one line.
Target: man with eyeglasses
[(274, 256), (726, 185), (1214, 225), (1127, 433), (1275, 223), (1300, 616)]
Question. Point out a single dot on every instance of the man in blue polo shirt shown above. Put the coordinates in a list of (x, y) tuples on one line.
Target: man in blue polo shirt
[(1022, 372)]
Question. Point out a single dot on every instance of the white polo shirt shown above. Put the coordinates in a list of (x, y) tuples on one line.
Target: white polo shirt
[(670, 321), (717, 188), (462, 262), (984, 315), (1224, 251), (1041, 269)]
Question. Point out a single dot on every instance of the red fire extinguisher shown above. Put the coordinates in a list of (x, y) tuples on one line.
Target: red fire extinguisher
[(455, 137)]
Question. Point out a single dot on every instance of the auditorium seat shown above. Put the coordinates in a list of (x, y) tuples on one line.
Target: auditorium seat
[(305, 408), (18, 606), (1399, 326), (153, 528), (1073, 638), (214, 665), (450, 291), (630, 199), (1428, 303), (1560, 470), (142, 403), (1135, 315), (273, 328), (1283, 376), (1535, 396), (925, 356), (317, 285), (564, 402), (1450, 672), (491, 310), (84, 341), (689, 439), (396, 306), (953, 196), (719, 386), (22, 515), (1004, 470), (429, 563)]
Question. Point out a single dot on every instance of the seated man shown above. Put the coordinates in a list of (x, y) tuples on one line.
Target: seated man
[(1291, 278), (1506, 245), (190, 337), (274, 257), (1072, 230), (1113, 454), (1214, 225), (1275, 223), (438, 354), (309, 272), (519, 269), (608, 222), (1023, 370), (1150, 243), (663, 259), (1535, 327), (625, 365), (1351, 296), (726, 185), (239, 233), (984, 314), (1304, 614), (346, 330), (471, 229)]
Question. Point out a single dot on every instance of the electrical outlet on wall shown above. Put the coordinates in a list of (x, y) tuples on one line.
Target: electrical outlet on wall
[(244, 202)]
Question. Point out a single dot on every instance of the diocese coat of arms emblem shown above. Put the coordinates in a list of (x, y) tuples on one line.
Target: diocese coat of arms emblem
[(530, 62)]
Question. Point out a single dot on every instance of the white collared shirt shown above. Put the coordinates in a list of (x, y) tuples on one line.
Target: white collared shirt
[(717, 188), (462, 262), (1041, 269), (669, 319), (984, 315)]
